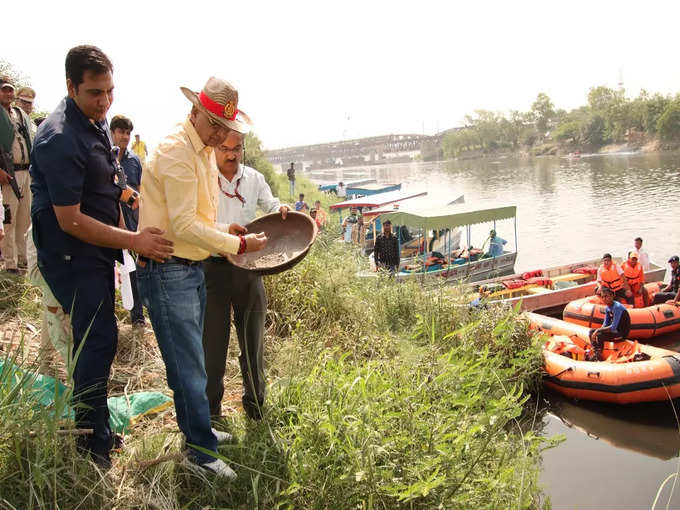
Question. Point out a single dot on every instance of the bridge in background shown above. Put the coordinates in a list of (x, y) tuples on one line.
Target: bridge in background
[(361, 151)]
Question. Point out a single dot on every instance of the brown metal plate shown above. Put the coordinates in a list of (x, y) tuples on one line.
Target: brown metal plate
[(288, 242)]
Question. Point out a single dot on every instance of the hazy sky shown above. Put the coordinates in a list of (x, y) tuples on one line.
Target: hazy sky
[(311, 72)]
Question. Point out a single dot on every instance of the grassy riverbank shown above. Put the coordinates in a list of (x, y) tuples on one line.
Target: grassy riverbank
[(380, 396)]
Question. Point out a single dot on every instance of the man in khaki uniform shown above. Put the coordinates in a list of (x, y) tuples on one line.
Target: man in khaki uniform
[(16, 140)]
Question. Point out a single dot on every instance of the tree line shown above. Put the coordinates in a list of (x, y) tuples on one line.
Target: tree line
[(608, 117)]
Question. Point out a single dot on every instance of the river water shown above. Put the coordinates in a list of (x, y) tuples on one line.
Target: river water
[(567, 211)]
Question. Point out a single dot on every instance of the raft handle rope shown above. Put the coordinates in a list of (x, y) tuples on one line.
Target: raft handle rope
[(568, 369)]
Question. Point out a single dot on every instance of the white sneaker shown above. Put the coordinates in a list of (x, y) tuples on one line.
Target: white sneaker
[(222, 437), (218, 468)]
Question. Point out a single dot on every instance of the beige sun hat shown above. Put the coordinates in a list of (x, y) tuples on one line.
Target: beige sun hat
[(26, 93), (219, 100)]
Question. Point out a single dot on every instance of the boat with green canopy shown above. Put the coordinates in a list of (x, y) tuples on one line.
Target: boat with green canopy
[(466, 262)]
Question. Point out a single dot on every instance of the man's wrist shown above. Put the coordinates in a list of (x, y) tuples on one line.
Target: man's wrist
[(242, 245)]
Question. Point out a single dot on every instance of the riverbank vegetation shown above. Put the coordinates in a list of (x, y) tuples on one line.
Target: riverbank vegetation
[(381, 395), (608, 117)]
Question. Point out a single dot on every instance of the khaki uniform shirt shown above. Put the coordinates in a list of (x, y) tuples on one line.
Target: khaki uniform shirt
[(179, 194), (20, 153)]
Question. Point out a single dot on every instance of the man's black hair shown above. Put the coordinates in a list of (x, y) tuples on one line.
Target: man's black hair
[(639, 239), (606, 290), (85, 58), (121, 122), (607, 256), (302, 195), (387, 222)]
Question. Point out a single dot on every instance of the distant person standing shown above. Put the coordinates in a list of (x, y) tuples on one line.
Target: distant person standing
[(644, 256), (301, 205), (16, 141), (121, 127), (321, 215), (139, 148), (291, 179), (341, 190), (387, 249)]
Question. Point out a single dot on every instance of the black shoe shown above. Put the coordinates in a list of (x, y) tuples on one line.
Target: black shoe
[(253, 411)]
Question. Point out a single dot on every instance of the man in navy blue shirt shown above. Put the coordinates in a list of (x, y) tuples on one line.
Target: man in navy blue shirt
[(616, 324), (79, 232), (121, 127)]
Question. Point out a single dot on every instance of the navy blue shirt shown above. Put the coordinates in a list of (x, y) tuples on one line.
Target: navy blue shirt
[(618, 318), (133, 169), (72, 163)]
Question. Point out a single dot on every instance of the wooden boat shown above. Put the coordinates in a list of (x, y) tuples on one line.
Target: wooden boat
[(651, 380), (568, 283), (646, 322), (445, 219)]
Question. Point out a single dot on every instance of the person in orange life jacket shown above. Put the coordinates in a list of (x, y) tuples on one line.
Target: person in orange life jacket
[(615, 327), (672, 290), (610, 275), (635, 278)]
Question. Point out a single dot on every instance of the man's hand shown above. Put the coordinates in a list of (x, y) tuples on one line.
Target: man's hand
[(151, 244), (255, 242), (284, 211), (4, 177), (237, 230)]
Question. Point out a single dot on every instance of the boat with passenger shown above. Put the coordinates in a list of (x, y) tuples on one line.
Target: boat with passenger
[(439, 224), (645, 321), (333, 187), (549, 289), (632, 372)]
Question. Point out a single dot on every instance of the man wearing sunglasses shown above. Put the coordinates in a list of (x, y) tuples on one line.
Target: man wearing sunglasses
[(179, 193)]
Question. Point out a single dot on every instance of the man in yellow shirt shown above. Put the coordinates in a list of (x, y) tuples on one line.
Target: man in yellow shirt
[(179, 193), (139, 148)]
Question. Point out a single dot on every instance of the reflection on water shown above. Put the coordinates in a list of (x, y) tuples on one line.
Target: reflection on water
[(570, 210), (614, 456)]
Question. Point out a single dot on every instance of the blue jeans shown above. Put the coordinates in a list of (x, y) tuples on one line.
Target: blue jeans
[(174, 295), (292, 188)]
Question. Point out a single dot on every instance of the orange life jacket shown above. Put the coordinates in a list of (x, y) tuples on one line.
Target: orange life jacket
[(635, 275), (611, 277)]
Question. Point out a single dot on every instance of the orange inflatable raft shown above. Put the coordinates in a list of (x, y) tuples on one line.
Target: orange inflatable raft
[(621, 380), (644, 322)]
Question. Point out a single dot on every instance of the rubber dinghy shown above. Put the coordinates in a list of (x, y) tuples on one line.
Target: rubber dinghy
[(620, 380), (645, 322)]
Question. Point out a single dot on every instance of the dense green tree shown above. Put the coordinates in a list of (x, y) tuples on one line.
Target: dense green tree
[(669, 123), (254, 157), (543, 110)]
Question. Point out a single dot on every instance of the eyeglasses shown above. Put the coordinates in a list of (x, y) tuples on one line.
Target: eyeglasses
[(226, 150)]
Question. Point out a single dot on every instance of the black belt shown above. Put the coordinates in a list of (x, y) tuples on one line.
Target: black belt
[(18, 167), (172, 260)]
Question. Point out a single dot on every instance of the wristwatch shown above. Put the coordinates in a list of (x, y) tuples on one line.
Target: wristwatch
[(131, 199)]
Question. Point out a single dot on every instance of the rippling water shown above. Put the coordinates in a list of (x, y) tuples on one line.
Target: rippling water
[(566, 210)]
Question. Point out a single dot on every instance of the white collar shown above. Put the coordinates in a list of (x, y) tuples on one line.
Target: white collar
[(240, 174)]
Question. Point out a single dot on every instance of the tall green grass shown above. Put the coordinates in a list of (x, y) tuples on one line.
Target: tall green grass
[(381, 395)]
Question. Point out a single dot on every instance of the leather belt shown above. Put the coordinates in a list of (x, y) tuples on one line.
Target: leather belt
[(24, 166), (171, 260)]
